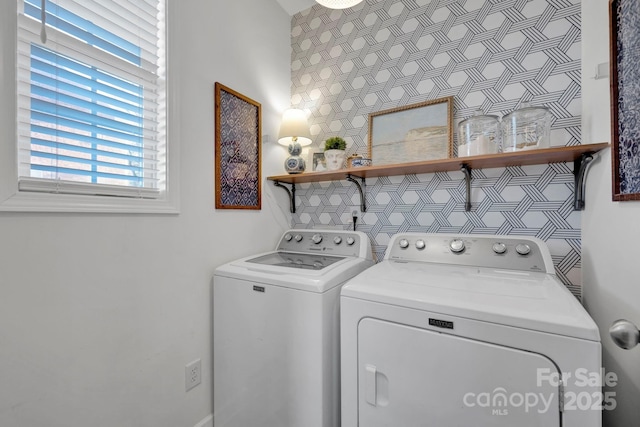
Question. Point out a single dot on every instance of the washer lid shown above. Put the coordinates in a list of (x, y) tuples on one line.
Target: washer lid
[(296, 260), (267, 269), (308, 260), (536, 301)]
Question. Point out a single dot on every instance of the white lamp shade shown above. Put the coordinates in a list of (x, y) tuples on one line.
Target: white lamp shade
[(338, 4), (294, 125)]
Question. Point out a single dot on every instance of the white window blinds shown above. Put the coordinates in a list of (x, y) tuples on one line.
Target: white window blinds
[(91, 97)]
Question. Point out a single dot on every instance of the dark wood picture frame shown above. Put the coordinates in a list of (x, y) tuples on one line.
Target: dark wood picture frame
[(624, 28), (412, 133), (238, 153)]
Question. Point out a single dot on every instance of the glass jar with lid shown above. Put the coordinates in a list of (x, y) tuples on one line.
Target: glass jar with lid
[(526, 128), (479, 135)]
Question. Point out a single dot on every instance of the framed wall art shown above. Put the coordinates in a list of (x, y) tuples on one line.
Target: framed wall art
[(412, 133), (237, 150), (624, 28), (317, 161)]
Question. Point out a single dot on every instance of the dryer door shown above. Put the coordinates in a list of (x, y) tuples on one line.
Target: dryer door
[(413, 377)]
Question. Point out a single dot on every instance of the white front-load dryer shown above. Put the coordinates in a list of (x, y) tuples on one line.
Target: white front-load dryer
[(467, 331), (276, 354)]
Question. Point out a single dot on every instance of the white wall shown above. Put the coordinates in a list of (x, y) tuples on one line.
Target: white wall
[(100, 313), (610, 230)]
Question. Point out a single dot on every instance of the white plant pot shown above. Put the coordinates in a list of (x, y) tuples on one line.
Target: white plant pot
[(334, 159)]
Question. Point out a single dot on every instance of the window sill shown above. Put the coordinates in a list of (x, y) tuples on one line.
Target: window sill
[(49, 202)]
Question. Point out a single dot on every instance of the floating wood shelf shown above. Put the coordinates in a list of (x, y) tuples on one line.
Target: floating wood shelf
[(581, 155), (520, 158)]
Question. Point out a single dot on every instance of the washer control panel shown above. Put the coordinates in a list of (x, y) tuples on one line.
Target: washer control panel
[(504, 252), (329, 242)]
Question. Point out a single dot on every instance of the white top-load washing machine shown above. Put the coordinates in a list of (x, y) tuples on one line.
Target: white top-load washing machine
[(276, 354), (467, 331)]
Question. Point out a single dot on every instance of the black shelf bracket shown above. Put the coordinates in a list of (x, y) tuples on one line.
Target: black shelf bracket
[(363, 203), (466, 170), (291, 193), (580, 167)]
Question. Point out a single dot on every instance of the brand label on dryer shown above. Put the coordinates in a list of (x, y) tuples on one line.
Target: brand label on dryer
[(258, 288), (445, 324)]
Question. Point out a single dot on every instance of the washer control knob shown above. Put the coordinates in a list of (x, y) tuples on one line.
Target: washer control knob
[(456, 246), (337, 240), (420, 245), (350, 241), (404, 243), (316, 238), (288, 237), (523, 249), (499, 248), (298, 238)]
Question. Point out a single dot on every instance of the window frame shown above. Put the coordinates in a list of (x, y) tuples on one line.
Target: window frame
[(14, 200)]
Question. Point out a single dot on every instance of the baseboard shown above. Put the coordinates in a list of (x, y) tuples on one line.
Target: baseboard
[(206, 422)]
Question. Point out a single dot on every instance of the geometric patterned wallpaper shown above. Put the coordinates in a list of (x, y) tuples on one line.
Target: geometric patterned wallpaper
[(488, 54)]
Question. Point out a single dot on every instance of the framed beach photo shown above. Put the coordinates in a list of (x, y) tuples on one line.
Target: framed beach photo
[(412, 133), (624, 27), (237, 150)]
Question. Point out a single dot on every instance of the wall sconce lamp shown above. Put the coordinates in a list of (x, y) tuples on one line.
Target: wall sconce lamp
[(338, 4), (294, 133)]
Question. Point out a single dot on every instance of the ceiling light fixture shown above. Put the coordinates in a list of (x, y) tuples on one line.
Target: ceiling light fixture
[(338, 4)]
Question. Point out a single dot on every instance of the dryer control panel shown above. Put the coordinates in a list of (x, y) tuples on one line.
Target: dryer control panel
[(504, 252), (326, 242)]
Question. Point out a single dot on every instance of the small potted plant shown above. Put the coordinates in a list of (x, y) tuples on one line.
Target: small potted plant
[(334, 152)]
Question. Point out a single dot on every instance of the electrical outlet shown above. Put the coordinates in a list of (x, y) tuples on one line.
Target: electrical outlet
[(355, 212), (192, 374), (354, 218)]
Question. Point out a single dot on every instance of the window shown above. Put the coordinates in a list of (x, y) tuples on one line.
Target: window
[(91, 100)]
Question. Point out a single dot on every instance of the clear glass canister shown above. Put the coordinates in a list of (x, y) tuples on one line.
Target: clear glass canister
[(526, 128), (479, 135)]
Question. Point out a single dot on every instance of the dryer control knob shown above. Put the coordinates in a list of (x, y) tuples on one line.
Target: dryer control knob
[(350, 241), (288, 237), (404, 243), (523, 249), (457, 246), (316, 238), (298, 238), (420, 244), (337, 240), (499, 248)]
